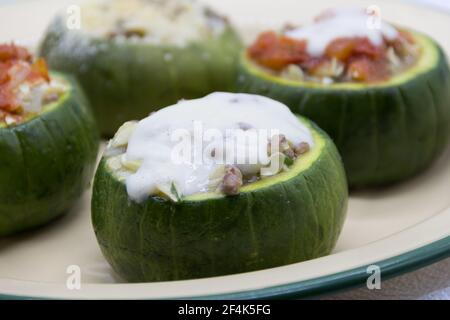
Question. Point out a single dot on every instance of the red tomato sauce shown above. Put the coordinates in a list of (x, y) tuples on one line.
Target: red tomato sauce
[(17, 67), (362, 61)]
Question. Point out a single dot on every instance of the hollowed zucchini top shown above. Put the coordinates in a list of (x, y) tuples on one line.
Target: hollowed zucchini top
[(341, 46), (221, 143)]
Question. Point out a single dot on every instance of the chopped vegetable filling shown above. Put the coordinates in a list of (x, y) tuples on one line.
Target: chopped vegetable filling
[(233, 179), (227, 179), (25, 85)]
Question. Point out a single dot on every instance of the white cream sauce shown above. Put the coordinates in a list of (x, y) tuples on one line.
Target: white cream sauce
[(156, 141)]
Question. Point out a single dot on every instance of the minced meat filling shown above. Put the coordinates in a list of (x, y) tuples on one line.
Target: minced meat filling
[(233, 179), (226, 179)]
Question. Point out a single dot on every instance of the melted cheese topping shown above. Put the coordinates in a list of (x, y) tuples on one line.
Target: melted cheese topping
[(175, 22)]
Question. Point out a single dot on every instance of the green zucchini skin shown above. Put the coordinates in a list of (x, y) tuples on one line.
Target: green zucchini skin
[(46, 163), (129, 81), (385, 134), (283, 223)]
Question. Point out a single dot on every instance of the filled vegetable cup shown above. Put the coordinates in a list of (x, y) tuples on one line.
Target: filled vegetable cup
[(380, 91), (224, 184), (135, 56), (48, 141)]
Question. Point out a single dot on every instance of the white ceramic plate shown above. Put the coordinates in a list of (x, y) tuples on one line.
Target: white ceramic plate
[(399, 228)]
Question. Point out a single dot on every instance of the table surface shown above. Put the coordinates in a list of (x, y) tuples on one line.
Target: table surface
[(429, 283)]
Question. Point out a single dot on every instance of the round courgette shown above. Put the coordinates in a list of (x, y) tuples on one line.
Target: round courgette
[(46, 161), (385, 131), (129, 80), (293, 216)]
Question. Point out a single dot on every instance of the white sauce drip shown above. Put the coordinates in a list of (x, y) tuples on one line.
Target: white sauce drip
[(339, 23), (152, 142)]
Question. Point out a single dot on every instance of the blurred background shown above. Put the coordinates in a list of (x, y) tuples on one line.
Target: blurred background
[(34, 20)]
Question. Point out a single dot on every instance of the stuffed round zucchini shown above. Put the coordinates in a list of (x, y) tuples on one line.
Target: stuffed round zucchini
[(223, 184), (48, 142), (133, 57), (381, 92)]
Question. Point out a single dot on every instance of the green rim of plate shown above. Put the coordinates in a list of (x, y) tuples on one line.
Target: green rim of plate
[(356, 277), (353, 278)]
